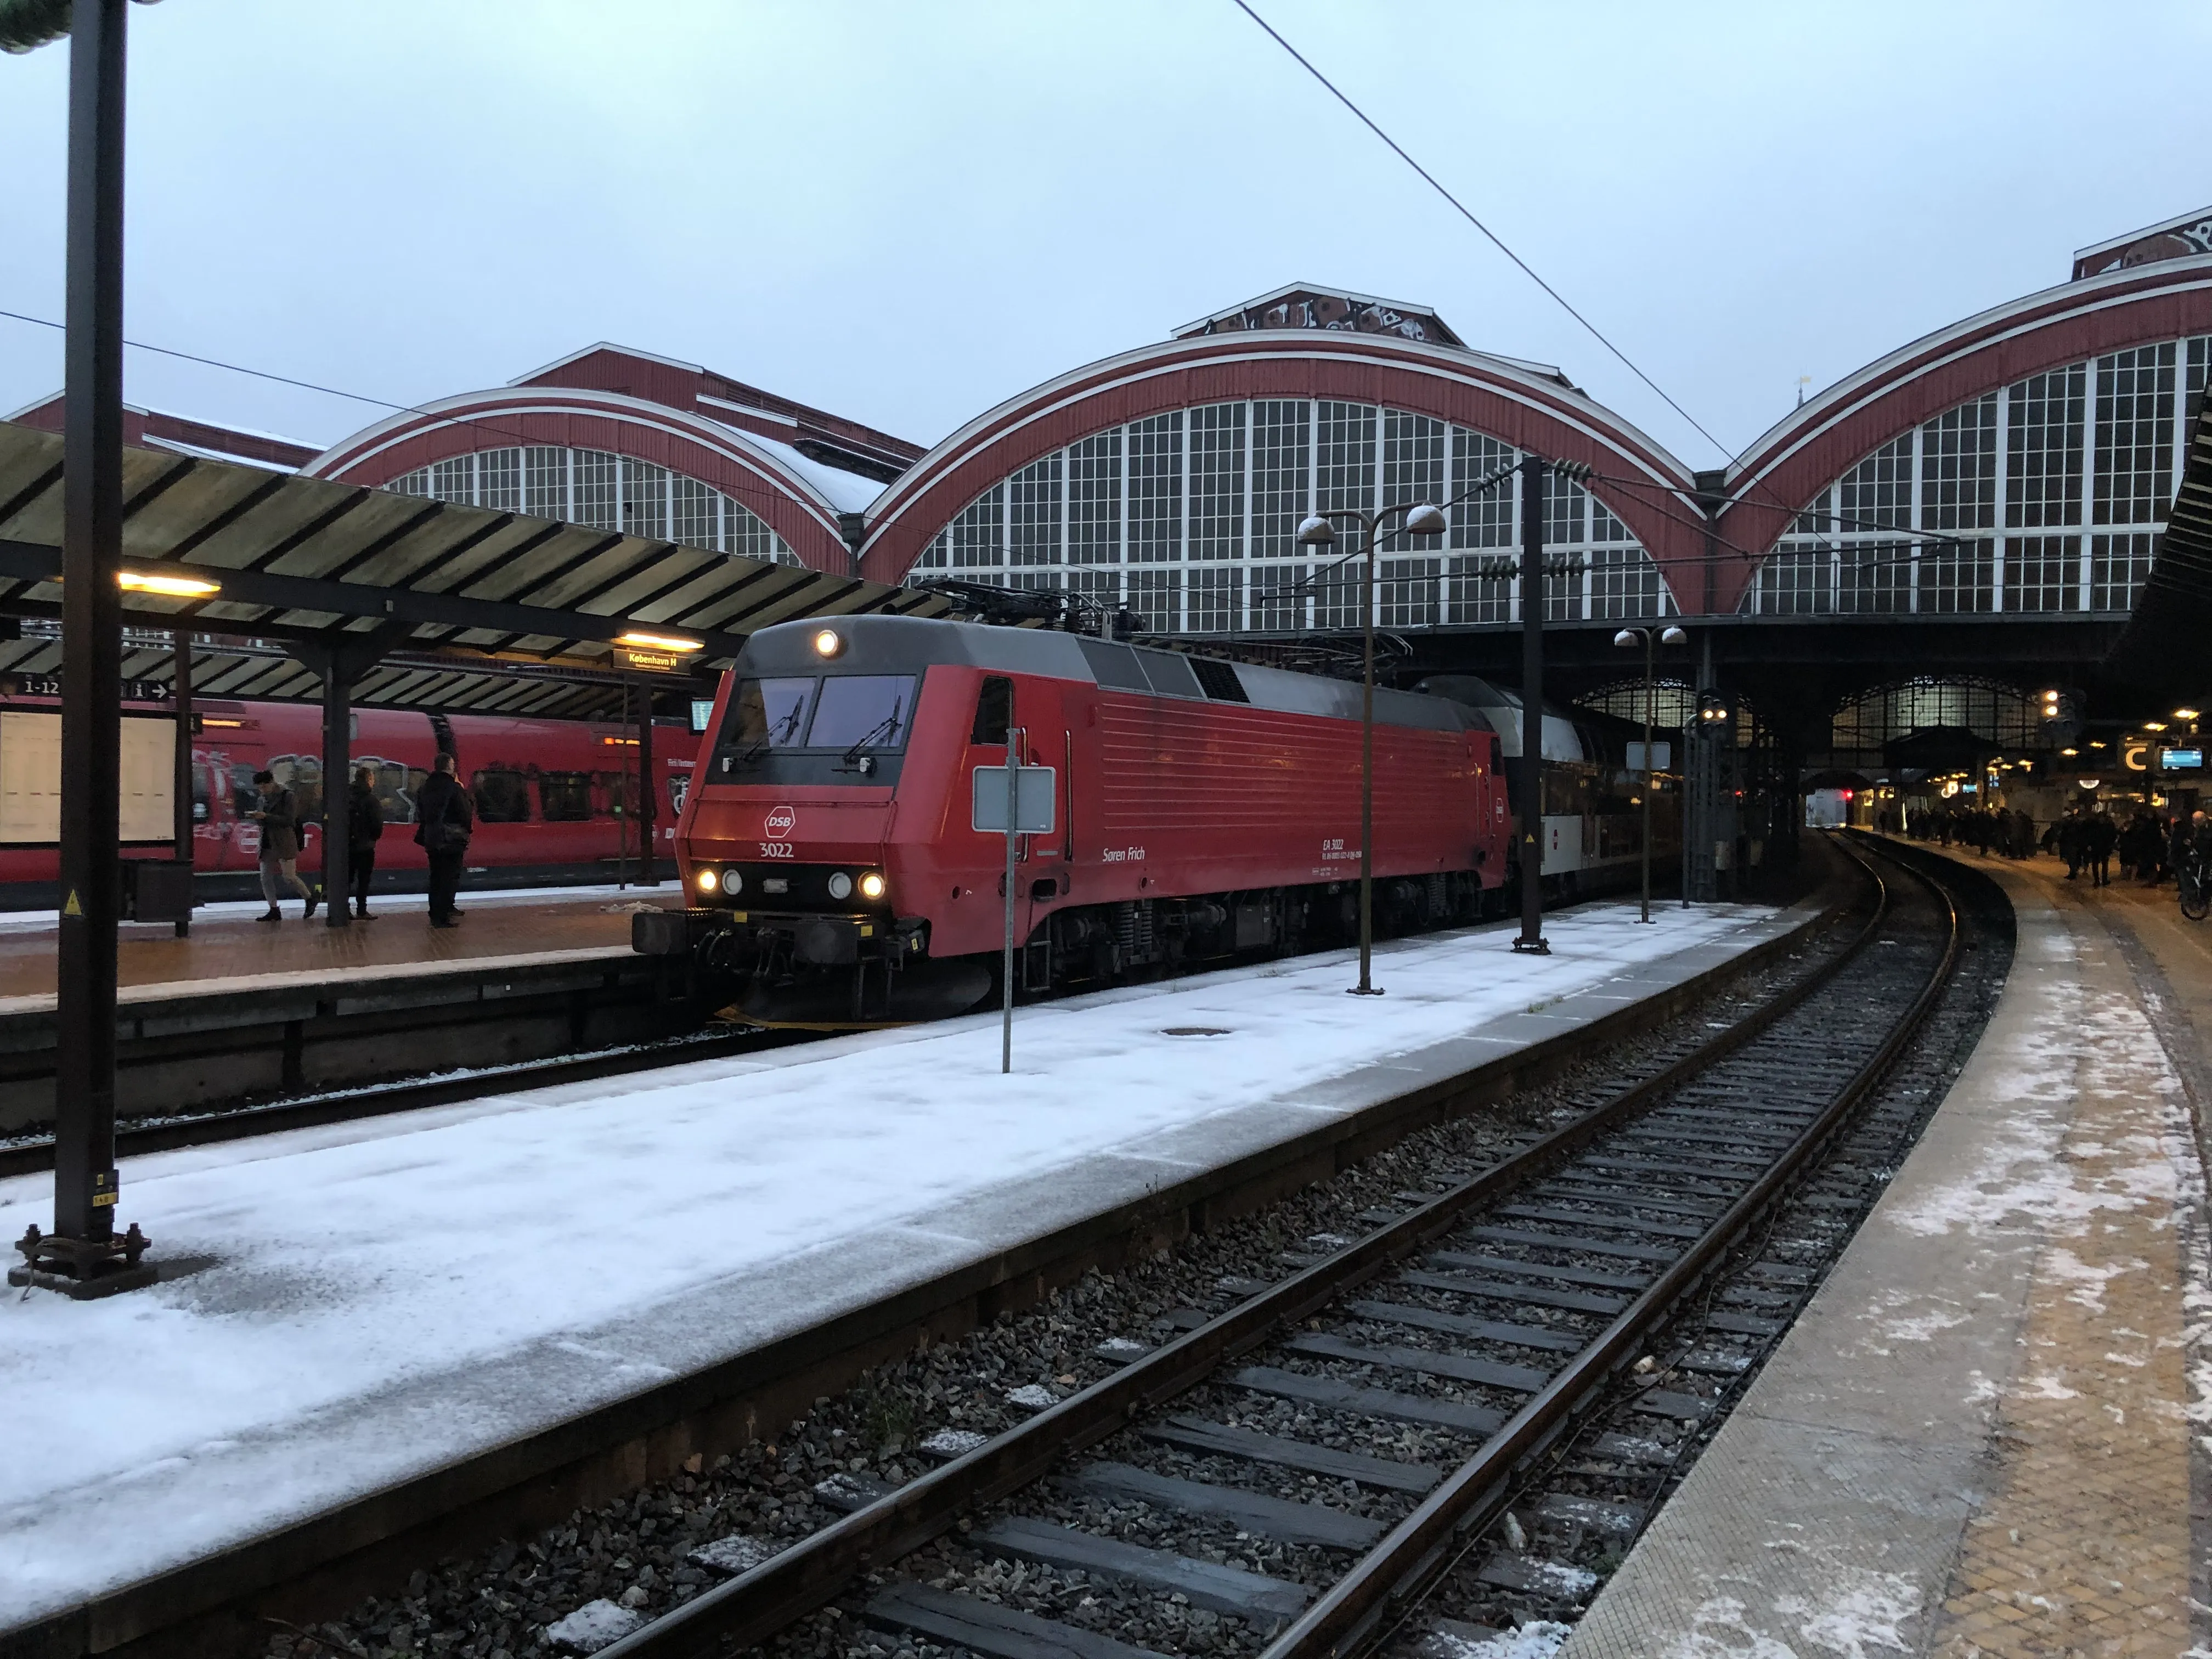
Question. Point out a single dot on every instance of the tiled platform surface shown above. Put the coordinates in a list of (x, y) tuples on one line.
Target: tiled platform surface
[(227, 947), (1987, 1436)]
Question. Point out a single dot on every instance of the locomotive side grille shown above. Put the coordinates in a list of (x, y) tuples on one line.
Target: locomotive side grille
[(1228, 769)]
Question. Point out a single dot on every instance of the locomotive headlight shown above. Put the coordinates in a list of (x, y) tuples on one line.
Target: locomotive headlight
[(841, 885), (706, 881), (732, 883), (871, 886)]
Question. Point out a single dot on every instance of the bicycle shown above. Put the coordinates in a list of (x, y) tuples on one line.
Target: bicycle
[(2193, 877)]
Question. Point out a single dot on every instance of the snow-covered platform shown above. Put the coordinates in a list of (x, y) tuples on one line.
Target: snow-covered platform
[(352, 1313), (1983, 1435)]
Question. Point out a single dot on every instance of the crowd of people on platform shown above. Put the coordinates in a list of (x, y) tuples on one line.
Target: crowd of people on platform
[(2148, 847), (445, 818)]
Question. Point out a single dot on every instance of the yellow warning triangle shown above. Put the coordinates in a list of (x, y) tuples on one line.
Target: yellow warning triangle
[(70, 907)]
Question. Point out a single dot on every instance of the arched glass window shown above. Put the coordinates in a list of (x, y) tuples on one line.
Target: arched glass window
[(603, 490), (1189, 518), (2048, 496)]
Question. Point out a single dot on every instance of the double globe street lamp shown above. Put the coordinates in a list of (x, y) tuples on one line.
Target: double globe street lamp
[(1629, 638), (1421, 518)]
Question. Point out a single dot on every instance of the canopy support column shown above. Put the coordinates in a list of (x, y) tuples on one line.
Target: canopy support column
[(339, 663)]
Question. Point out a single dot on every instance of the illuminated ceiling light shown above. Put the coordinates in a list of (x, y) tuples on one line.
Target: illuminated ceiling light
[(174, 587), (2153, 726), (2070, 751), (2184, 713), (829, 643), (645, 641)]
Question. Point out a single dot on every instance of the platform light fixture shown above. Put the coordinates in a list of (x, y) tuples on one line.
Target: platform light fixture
[(2186, 714), (171, 587), (2153, 726), (641, 640), (1628, 639)]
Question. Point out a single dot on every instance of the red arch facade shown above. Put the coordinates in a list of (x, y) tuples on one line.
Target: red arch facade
[(1782, 473), (1486, 395), (577, 418)]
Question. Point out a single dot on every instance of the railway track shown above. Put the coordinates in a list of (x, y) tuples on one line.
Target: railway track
[(1252, 1471)]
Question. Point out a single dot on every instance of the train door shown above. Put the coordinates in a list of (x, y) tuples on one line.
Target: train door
[(238, 842)]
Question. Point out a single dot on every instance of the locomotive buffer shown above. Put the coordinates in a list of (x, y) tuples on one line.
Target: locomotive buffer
[(1015, 799)]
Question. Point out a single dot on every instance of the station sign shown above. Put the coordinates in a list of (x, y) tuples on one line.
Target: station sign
[(2181, 760), (1663, 755), (702, 711), (1036, 795), (50, 686), (650, 662)]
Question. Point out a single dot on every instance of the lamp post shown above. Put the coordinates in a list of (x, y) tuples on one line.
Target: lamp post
[(1629, 637), (1421, 519)]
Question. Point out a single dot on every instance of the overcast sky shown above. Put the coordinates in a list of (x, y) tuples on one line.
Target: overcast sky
[(906, 212)]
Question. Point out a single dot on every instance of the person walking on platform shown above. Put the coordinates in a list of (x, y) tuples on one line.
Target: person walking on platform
[(445, 818), (2098, 836), (279, 818), (364, 830), (2070, 831)]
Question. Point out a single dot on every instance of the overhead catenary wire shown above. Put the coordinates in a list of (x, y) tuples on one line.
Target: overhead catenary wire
[(475, 423), (1496, 241)]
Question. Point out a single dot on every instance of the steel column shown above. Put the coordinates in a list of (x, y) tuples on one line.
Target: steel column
[(647, 817), (83, 1257), (181, 783), (338, 789), (1532, 707), (1366, 986)]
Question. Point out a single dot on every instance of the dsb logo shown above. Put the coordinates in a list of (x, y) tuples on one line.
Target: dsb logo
[(779, 821)]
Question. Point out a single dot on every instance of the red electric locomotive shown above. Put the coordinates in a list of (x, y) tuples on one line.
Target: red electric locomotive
[(1206, 810)]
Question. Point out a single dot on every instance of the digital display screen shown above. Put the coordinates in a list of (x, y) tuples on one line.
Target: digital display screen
[(2180, 760), (703, 710)]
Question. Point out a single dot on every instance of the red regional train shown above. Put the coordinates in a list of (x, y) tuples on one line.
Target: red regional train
[(1205, 810), (555, 799)]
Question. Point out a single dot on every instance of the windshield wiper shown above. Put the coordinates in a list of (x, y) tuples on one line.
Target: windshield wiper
[(887, 728), (778, 734)]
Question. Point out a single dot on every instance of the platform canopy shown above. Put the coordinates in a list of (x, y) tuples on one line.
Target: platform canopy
[(461, 608)]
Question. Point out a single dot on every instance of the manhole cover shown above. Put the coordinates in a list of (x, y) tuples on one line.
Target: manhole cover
[(1194, 1030)]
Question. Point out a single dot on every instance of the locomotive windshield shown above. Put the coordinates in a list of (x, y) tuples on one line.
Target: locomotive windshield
[(855, 713)]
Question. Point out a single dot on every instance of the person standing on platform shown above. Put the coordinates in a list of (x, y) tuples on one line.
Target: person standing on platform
[(444, 819), (2070, 831), (279, 818), (2098, 836), (364, 831)]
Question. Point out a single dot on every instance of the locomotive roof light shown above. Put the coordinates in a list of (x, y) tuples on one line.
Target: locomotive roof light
[(871, 885), (829, 642), (650, 641), (841, 885), (1316, 532)]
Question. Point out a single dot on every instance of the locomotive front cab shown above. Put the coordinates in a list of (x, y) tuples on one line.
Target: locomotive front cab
[(787, 847)]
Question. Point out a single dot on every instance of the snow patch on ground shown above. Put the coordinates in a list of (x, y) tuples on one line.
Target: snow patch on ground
[(1540, 1638), (243, 1395)]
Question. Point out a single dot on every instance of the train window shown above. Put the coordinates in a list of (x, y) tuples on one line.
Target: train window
[(203, 795), (303, 776), (564, 797), (994, 710), (614, 788), (1568, 790), (768, 712), (397, 785), (862, 711), (503, 796)]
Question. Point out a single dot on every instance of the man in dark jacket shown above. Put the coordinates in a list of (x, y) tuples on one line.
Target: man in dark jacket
[(2098, 836), (364, 830), (445, 818), (279, 818)]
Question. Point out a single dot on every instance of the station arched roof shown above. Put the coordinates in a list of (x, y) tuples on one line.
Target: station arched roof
[(1782, 472), (796, 496), (1519, 405)]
